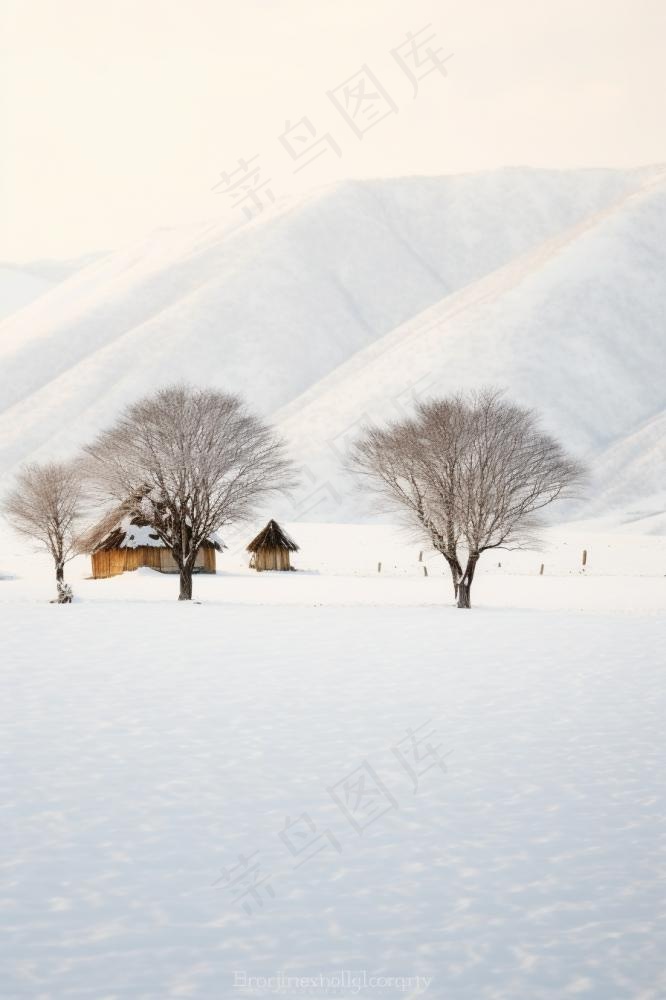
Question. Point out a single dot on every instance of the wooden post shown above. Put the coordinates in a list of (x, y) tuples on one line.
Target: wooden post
[(584, 558), (379, 567), (541, 570), (425, 570), (420, 557)]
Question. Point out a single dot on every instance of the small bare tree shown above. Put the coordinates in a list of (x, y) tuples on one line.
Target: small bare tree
[(46, 504), (191, 461), (472, 471)]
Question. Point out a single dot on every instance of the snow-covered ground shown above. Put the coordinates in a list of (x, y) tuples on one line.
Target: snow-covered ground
[(156, 752), (340, 565)]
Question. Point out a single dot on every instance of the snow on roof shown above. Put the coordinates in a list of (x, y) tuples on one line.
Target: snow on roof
[(138, 535), (133, 533)]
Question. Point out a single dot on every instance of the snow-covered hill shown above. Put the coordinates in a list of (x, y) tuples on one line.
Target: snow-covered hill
[(631, 477), (348, 303), (18, 288), (22, 284), (573, 328)]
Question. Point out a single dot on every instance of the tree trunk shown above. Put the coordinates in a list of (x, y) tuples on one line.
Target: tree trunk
[(185, 583), (465, 585), (60, 571), (447, 548), (456, 573)]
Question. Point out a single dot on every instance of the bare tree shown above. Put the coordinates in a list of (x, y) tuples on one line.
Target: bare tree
[(46, 505), (509, 471), (472, 471), (191, 461)]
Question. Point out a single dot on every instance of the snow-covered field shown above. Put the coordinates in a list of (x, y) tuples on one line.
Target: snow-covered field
[(340, 565), (512, 847)]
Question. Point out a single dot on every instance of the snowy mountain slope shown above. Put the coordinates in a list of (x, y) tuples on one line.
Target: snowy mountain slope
[(18, 288), (21, 284), (55, 270), (631, 476), (272, 307), (574, 328)]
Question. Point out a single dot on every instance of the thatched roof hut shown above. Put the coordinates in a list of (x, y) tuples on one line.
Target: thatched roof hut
[(271, 548), (121, 542)]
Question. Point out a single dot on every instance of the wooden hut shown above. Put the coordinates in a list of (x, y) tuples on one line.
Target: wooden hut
[(123, 543), (271, 548)]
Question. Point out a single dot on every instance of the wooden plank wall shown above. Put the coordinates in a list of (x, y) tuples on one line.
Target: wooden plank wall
[(115, 561), (267, 559)]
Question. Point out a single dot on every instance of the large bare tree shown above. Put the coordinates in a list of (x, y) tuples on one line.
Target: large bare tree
[(473, 471), (46, 504), (191, 461)]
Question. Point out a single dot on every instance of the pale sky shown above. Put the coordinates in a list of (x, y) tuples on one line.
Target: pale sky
[(119, 117)]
